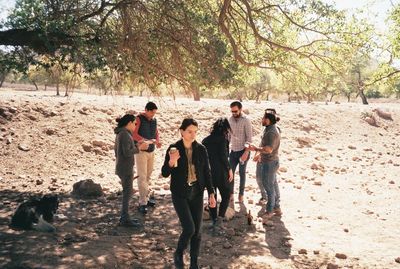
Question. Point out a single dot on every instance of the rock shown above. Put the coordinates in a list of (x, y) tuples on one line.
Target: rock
[(230, 231), (283, 169), (341, 256), (397, 260), (332, 266), (23, 147), (87, 148), (314, 166), (166, 187), (39, 181), (351, 147), (50, 131), (302, 251), (382, 114), (208, 244), (316, 252), (99, 143), (371, 121), (230, 213), (83, 112), (227, 245), (87, 189), (32, 117)]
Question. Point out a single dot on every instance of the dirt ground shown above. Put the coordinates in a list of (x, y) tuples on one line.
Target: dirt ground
[(339, 182)]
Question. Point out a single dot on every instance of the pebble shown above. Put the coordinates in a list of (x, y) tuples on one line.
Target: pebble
[(302, 251), (332, 266), (227, 245), (341, 256)]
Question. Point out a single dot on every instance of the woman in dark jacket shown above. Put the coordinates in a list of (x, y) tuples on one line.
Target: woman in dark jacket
[(217, 145), (186, 161), (124, 153)]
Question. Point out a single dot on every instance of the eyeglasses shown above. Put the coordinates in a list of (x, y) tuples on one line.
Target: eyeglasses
[(234, 111)]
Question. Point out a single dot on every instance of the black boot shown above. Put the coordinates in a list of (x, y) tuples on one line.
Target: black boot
[(193, 263), (178, 260)]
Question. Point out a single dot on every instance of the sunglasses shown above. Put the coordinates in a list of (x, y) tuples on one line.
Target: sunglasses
[(270, 111)]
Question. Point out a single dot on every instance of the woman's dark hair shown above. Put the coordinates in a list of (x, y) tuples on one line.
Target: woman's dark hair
[(273, 118), (127, 118), (187, 122), (221, 127)]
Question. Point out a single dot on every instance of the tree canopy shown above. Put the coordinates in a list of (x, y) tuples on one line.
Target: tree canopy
[(201, 44)]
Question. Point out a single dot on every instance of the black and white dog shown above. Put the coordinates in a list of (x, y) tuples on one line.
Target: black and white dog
[(36, 214)]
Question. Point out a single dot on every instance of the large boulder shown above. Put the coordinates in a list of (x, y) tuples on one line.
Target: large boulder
[(87, 189)]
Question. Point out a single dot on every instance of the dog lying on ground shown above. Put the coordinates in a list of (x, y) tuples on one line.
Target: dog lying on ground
[(36, 214)]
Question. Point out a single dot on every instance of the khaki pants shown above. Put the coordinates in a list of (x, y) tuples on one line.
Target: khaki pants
[(144, 162)]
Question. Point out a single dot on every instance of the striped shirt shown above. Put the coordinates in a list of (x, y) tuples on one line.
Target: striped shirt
[(241, 132)]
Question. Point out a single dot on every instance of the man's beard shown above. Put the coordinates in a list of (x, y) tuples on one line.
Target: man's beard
[(236, 115)]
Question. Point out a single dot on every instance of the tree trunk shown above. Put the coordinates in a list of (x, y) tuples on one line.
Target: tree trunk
[(45, 87), (34, 83), (363, 97), (289, 97), (58, 88), (196, 92), (2, 78), (267, 96), (66, 91), (331, 98), (348, 97)]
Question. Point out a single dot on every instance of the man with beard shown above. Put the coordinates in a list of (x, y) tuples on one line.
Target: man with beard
[(240, 136)]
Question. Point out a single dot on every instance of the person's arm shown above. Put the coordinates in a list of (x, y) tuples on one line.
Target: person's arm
[(158, 143), (223, 149), (127, 145), (248, 131), (135, 134), (169, 162), (166, 168), (208, 182), (269, 145)]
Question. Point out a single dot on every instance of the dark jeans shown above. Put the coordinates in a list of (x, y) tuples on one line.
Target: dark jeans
[(234, 160), (223, 206), (190, 213), (126, 182)]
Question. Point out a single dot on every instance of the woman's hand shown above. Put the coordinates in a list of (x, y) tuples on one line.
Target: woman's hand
[(211, 201), (143, 145), (230, 175), (173, 157)]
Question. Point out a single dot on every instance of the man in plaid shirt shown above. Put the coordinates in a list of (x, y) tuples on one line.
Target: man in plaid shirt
[(241, 134)]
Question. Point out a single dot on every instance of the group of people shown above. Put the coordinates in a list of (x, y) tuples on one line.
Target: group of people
[(194, 167)]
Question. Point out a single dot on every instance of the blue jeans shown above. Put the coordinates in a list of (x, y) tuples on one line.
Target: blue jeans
[(234, 160), (260, 181), (268, 172)]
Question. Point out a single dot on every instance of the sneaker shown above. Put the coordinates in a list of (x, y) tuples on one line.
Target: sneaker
[(266, 217), (262, 201), (277, 211), (151, 202), (143, 209)]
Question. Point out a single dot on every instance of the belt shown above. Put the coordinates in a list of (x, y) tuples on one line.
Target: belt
[(192, 183)]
